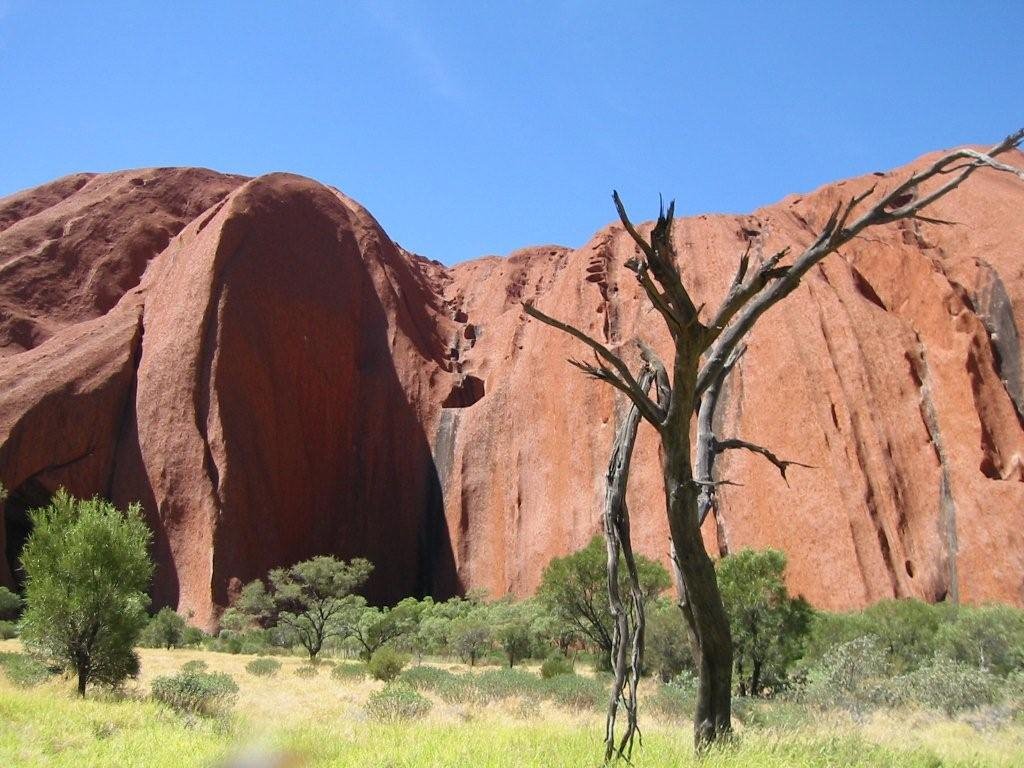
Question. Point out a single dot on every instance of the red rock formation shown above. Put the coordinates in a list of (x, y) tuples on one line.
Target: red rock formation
[(260, 366)]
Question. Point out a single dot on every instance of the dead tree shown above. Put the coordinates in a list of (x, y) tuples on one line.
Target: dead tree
[(704, 353)]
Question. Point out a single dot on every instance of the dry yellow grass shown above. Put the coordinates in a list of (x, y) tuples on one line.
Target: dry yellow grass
[(325, 718)]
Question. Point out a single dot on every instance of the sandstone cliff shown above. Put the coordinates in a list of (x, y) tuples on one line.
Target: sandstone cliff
[(271, 377)]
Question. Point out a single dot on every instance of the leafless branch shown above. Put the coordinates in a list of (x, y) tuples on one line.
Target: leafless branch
[(660, 259), (837, 232), (781, 464), (704, 460), (628, 384), (740, 293)]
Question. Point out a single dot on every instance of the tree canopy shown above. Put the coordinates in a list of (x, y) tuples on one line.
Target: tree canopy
[(768, 626), (312, 599), (87, 569), (575, 589)]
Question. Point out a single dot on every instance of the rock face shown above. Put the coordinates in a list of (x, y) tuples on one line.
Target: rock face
[(271, 377)]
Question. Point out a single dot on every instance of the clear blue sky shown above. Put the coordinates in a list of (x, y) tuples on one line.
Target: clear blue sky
[(479, 127)]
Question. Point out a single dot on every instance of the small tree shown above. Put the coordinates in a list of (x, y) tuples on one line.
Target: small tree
[(86, 574), (167, 629), (471, 636), (987, 637), (310, 598), (666, 647), (575, 590), (516, 628), (768, 626), (372, 628), (10, 604), (434, 631)]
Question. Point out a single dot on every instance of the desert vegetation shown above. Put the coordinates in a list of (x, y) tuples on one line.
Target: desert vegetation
[(495, 682)]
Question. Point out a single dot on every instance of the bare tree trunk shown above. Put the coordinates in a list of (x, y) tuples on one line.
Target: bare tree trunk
[(628, 622), (700, 601)]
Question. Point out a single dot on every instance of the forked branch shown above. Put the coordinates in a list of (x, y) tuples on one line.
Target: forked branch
[(902, 202), (780, 464), (618, 374)]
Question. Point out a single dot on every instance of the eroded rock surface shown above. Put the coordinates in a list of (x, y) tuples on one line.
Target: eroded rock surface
[(271, 377)]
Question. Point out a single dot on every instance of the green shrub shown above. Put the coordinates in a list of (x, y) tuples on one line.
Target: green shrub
[(987, 637), (348, 670), (461, 689), (23, 670), (306, 671), (198, 693), (165, 630), (193, 636), (855, 675), (426, 678), (396, 701), (386, 663), (666, 641), (10, 604), (555, 664), (951, 686), (500, 684), (575, 692), (672, 701), (263, 667), (87, 572), (8, 629), (452, 688)]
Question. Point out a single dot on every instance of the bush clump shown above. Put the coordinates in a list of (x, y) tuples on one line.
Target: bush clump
[(22, 670), (950, 686), (575, 692), (555, 664), (196, 693), (348, 670), (386, 663), (396, 701), (426, 678), (306, 671), (263, 667), (854, 675), (989, 637), (196, 665), (8, 629), (501, 684), (672, 701)]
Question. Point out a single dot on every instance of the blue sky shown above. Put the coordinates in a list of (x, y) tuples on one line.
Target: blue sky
[(470, 128)]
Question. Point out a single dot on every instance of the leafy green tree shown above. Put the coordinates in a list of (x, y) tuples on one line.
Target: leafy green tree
[(575, 589), (312, 599), (472, 636), (667, 649), (372, 628), (516, 628), (989, 637), (768, 626), (10, 604), (87, 570), (906, 628), (434, 631), (167, 629)]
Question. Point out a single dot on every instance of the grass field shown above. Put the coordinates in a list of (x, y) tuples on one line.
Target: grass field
[(321, 721)]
